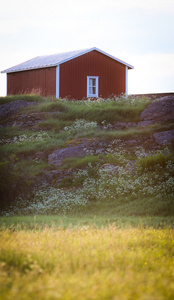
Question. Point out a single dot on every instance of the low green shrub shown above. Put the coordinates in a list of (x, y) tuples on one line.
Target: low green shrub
[(13, 182), (31, 167), (151, 162), (66, 182), (6, 182)]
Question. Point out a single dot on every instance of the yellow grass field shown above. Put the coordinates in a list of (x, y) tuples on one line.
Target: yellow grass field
[(87, 263)]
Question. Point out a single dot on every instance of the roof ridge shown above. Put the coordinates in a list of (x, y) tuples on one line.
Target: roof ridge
[(65, 52)]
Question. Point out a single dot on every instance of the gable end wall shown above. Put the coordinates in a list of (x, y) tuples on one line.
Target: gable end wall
[(73, 75)]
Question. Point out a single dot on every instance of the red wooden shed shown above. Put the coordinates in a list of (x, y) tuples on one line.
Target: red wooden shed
[(76, 75)]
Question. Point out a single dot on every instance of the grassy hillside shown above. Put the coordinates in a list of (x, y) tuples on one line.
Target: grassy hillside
[(126, 180)]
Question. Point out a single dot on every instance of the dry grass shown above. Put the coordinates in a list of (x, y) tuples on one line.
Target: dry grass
[(87, 263)]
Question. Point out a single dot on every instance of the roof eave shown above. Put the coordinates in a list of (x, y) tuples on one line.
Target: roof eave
[(28, 69), (115, 58)]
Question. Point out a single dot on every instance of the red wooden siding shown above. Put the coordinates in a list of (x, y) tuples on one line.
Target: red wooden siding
[(73, 75), (41, 81)]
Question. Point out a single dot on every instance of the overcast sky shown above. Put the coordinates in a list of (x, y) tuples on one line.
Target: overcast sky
[(140, 33)]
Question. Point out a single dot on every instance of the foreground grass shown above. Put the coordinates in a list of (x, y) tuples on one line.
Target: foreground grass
[(87, 263), (39, 222)]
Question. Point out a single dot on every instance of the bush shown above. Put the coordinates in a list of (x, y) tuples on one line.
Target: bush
[(151, 162), (6, 182), (12, 183)]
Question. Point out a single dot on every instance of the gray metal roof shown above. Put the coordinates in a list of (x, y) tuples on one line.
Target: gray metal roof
[(55, 60)]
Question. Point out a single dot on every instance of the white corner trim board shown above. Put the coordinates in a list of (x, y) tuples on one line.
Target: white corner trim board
[(126, 81), (57, 81)]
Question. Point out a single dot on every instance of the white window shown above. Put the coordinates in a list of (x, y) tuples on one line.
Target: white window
[(92, 86)]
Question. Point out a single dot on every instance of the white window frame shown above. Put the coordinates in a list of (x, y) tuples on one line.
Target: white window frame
[(88, 87)]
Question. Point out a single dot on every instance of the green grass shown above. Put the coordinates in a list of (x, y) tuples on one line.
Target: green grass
[(151, 162), (98, 219), (110, 111), (29, 142), (52, 124), (24, 155), (57, 137), (31, 167), (10, 132), (86, 263), (98, 234), (28, 98), (80, 162)]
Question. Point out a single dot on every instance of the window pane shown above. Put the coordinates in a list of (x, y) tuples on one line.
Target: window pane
[(94, 90), (90, 81), (90, 90), (93, 81)]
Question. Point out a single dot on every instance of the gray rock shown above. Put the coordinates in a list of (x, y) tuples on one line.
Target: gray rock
[(131, 124), (57, 156), (9, 108), (77, 148), (120, 125), (145, 123), (165, 137), (159, 111), (123, 125), (133, 142)]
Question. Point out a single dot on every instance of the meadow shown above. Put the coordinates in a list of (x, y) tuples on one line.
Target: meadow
[(106, 231), (87, 263)]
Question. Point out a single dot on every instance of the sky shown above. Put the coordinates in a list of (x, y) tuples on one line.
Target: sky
[(139, 32)]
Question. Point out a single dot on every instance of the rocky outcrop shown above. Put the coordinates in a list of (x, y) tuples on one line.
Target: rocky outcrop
[(159, 111), (57, 156), (77, 148), (165, 137), (8, 109)]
